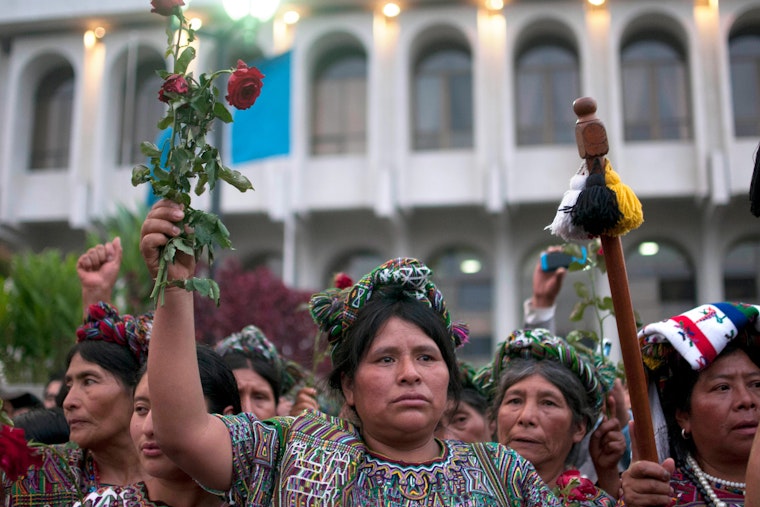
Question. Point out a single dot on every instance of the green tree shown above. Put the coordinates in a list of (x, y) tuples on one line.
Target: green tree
[(40, 309)]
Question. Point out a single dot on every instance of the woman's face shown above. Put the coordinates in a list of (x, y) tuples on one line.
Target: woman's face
[(725, 409), (535, 420), (465, 423), (98, 407), (399, 390), (152, 459), (256, 395)]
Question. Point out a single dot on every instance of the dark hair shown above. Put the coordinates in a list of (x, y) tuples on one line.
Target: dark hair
[(387, 302), (44, 425), (116, 359), (219, 385), (678, 389), (220, 388), (237, 360), (560, 377), (473, 398)]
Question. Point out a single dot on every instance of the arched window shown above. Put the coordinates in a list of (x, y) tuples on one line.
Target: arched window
[(547, 84), (140, 108), (339, 114), (655, 89), (51, 131), (744, 51), (442, 98), (661, 280), (465, 279), (741, 272)]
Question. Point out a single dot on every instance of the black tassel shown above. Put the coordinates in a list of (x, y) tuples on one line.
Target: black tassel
[(754, 188), (596, 209)]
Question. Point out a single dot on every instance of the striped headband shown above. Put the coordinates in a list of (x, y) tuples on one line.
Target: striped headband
[(335, 310), (596, 374), (698, 335), (103, 322)]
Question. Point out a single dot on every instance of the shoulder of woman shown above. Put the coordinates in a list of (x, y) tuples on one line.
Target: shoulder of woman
[(325, 427)]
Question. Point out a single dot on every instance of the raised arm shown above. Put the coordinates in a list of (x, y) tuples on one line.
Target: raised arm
[(98, 271), (197, 441)]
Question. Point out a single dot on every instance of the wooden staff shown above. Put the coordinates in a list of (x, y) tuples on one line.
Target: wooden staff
[(591, 137)]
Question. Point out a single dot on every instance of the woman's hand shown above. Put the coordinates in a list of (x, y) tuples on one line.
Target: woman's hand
[(306, 399), (646, 483), (98, 271), (158, 227), (606, 447)]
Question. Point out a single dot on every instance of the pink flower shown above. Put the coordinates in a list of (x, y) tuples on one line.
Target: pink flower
[(15, 455), (244, 86), (342, 281), (572, 486), (175, 83), (165, 7)]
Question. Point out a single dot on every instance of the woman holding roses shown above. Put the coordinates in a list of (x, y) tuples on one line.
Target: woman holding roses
[(393, 358), (547, 398)]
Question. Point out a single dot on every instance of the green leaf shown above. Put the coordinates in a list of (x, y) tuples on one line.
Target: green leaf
[(581, 290), (140, 174), (149, 149), (180, 66), (576, 315), (221, 112), (235, 178), (166, 122)]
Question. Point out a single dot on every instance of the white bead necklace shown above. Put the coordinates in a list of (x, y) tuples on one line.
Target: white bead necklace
[(705, 479)]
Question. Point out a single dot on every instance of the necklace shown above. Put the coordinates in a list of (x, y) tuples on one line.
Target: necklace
[(705, 479)]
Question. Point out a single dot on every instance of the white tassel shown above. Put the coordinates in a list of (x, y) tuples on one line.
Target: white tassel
[(562, 224)]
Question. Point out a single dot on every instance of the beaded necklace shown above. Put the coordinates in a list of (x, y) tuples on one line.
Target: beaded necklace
[(705, 480)]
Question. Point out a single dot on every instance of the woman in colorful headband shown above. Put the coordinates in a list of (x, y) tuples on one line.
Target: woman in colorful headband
[(704, 371), (393, 357), (101, 375), (547, 398), (163, 482), (261, 373)]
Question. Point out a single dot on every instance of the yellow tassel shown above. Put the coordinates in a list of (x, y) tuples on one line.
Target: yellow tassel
[(628, 203)]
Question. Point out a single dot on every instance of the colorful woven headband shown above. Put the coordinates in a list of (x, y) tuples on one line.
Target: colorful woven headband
[(252, 343), (596, 374), (104, 323), (335, 310), (475, 378), (698, 335)]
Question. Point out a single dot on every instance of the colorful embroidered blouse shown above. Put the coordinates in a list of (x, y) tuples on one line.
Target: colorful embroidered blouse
[(315, 460), (66, 473), (134, 495)]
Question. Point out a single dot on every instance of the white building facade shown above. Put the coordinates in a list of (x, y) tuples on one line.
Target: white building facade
[(445, 133)]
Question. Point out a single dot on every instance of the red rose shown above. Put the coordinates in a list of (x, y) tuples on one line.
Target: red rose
[(342, 281), (15, 455), (573, 486), (165, 7), (244, 86), (173, 84)]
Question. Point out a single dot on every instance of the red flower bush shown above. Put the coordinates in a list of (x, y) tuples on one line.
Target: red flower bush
[(244, 86), (165, 7), (175, 83), (574, 487), (15, 455)]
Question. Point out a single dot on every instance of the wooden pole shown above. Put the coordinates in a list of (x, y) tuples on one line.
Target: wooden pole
[(591, 138)]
